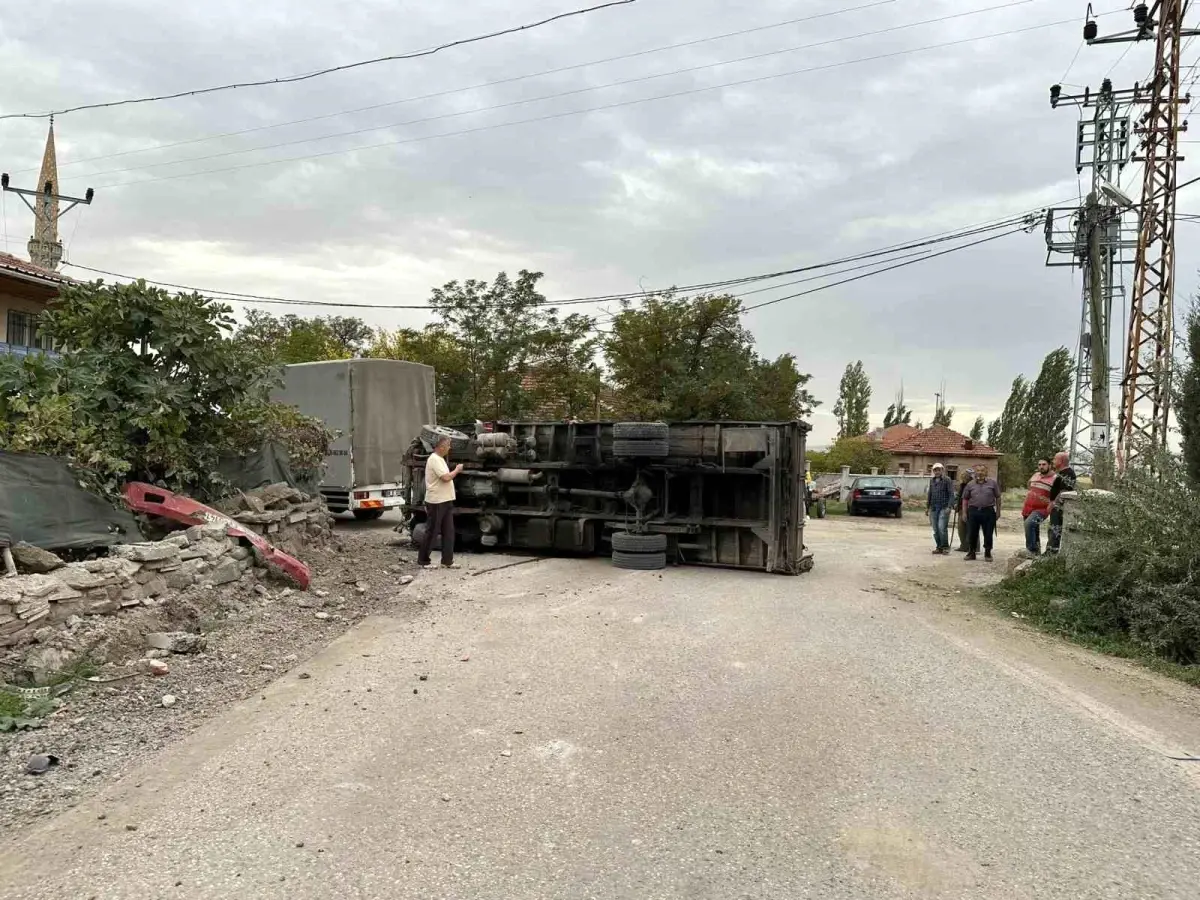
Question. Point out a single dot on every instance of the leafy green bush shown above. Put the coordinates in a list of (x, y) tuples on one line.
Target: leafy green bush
[(148, 387), (1133, 573)]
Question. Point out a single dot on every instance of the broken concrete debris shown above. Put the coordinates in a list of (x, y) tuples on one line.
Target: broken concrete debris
[(143, 573), (34, 559), (40, 763), (176, 641)]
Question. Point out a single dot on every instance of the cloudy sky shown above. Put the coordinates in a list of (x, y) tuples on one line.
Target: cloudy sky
[(818, 153)]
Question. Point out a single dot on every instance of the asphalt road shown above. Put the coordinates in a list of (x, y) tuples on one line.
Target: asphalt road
[(583, 732)]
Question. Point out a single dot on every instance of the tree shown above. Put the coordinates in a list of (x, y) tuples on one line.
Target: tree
[(692, 358), (859, 454), (897, 412), (148, 387), (977, 429), (514, 347), (1009, 433), (943, 415), (1187, 394), (993, 432), (1048, 409), (292, 339), (854, 398)]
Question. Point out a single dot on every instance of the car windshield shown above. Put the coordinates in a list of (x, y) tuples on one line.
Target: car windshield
[(875, 483)]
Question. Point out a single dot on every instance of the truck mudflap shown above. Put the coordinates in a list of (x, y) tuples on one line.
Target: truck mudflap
[(154, 501)]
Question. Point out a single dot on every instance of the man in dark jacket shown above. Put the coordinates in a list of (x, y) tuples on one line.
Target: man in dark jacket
[(938, 503), (1064, 480)]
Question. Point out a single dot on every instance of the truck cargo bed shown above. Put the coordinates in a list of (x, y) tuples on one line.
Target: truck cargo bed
[(726, 493)]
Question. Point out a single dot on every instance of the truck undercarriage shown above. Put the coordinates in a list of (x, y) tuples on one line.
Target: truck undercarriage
[(699, 493)]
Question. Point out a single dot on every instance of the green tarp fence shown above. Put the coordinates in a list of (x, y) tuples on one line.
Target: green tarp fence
[(42, 504)]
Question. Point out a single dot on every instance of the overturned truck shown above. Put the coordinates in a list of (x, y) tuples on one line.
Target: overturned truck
[(648, 493)]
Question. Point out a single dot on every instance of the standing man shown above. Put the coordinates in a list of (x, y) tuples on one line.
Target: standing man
[(439, 506), (1064, 480), (937, 506), (982, 499), (1037, 506), (963, 537)]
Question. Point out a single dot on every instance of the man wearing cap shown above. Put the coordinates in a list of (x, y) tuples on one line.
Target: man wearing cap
[(937, 507), (982, 499)]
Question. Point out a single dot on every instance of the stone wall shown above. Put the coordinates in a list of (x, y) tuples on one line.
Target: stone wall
[(142, 574)]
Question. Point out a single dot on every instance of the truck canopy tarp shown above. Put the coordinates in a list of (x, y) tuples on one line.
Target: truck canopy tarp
[(42, 504), (377, 405)]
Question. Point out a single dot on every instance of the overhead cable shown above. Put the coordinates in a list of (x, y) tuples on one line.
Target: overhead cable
[(291, 79)]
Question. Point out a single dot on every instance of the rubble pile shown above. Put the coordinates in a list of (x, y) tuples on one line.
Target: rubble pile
[(143, 574), (287, 517)]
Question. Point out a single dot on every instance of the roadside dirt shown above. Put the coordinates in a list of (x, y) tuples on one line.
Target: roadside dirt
[(253, 636)]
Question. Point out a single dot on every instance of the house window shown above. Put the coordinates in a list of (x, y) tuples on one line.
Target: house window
[(952, 473), (903, 468), (22, 330)]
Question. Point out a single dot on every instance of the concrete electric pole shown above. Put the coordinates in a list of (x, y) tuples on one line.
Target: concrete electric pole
[(1091, 236), (1146, 379)]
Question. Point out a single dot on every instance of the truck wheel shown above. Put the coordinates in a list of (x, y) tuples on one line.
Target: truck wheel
[(626, 542), (368, 515), (648, 562), (820, 509), (627, 448), (641, 431)]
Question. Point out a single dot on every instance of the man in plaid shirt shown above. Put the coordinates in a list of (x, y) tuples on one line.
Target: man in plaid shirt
[(938, 502)]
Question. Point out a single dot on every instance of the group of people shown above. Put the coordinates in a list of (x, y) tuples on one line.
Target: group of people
[(977, 501)]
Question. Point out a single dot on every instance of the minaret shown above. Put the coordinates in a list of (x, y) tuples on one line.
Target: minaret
[(45, 249)]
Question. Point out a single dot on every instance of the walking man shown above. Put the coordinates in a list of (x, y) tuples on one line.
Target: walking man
[(937, 506), (1037, 506), (961, 510), (1064, 480), (439, 506), (982, 500)]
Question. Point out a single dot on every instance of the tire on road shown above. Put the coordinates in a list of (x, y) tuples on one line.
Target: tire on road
[(818, 509), (647, 562), (627, 542), (627, 448), (641, 431), (368, 515)]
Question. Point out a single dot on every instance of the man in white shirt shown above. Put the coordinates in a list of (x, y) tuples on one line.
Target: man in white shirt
[(439, 506)]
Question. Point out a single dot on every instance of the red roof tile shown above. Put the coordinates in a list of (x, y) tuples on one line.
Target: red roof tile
[(25, 267), (893, 434), (939, 440)]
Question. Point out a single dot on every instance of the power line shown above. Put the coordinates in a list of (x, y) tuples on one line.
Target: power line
[(609, 106), (291, 79), (874, 254), (890, 268), (559, 95), (484, 84)]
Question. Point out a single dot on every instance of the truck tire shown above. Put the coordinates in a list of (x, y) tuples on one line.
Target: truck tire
[(368, 515), (627, 542), (647, 562), (628, 448), (819, 509), (460, 444), (641, 431)]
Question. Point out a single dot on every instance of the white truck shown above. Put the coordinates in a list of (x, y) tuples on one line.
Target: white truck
[(376, 407)]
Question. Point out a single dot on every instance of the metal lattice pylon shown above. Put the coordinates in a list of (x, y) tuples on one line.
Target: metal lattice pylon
[(1146, 381)]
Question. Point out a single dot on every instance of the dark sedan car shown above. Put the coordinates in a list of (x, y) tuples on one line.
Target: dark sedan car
[(874, 493)]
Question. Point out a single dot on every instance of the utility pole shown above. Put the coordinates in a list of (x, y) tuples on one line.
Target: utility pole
[(1091, 237), (45, 249), (1146, 379)]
